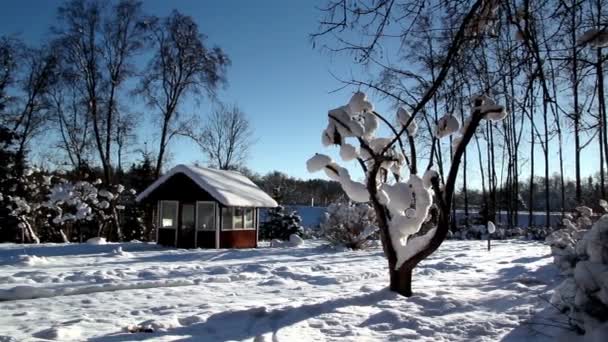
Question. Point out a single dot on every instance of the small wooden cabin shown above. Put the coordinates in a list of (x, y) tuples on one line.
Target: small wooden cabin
[(206, 208)]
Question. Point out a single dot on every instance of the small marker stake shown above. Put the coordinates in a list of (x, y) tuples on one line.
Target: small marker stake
[(491, 230)]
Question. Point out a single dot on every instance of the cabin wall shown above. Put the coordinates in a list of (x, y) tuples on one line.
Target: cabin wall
[(238, 239)]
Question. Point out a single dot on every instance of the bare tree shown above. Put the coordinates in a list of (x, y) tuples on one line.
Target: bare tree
[(182, 65), (70, 117), (226, 138), (8, 49), (124, 136), (97, 45), (35, 82)]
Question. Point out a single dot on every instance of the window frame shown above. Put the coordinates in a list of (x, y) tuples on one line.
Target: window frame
[(243, 216), (176, 218), (252, 210), (198, 229), (223, 227)]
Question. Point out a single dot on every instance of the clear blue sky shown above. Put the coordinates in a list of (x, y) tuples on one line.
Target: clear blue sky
[(276, 76)]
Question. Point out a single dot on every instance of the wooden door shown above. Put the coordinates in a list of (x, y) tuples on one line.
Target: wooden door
[(186, 229)]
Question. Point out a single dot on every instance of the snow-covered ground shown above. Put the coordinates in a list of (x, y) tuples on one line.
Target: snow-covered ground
[(101, 292)]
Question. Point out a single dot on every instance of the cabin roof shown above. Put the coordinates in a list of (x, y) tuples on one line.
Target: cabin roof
[(230, 188)]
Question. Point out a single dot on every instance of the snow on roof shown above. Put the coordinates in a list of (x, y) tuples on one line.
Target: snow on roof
[(230, 188)]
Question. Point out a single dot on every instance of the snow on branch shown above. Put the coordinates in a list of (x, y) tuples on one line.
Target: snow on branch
[(595, 38)]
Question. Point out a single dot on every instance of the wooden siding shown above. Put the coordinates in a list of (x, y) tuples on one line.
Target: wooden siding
[(238, 239), (179, 188)]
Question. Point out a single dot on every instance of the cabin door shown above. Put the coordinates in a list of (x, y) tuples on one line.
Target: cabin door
[(185, 238)]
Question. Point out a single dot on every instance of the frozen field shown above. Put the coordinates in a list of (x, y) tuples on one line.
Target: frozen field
[(101, 292)]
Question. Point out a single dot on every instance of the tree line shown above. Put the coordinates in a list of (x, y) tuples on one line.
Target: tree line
[(75, 101), (544, 60), (83, 87)]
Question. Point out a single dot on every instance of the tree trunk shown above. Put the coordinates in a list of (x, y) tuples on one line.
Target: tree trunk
[(602, 120), (546, 158), (401, 281), (494, 206), (577, 126), (531, 193), (161, 150)]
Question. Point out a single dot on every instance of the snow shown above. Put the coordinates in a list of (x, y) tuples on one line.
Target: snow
[(97, 241), (406, 221), (313, 292), (295, 240), (348, 152), (491, 227), (584, 210), (106, 194), (594, 38), (417, 244), (230, 188), (318, 162), (447, 126), (326, 138), (358, 103), (427, 179), (403, 117), (347, 125), (32, 260), (356, 191), (61, 333)]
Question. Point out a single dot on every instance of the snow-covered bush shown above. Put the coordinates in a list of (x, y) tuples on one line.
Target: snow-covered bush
[(81, 202), (564, 241), (12, 194), (350, 225), (580, 250), (26, 207), (131, 217), (294, 241), (58, 210), (280, 224), (479, 232)]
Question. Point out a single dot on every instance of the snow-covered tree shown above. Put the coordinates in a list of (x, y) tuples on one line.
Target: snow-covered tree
[(27, 207), (351, 225), (281, 224), (401, 205), (8, 184)]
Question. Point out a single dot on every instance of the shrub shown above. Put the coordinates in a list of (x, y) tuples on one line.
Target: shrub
[(580, 251), (353, 226), (281, 224)]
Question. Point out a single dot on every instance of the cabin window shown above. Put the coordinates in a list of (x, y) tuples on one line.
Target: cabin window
[(237, 218), (249, 218), (205, 215), (227, 222), (168, 214)]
